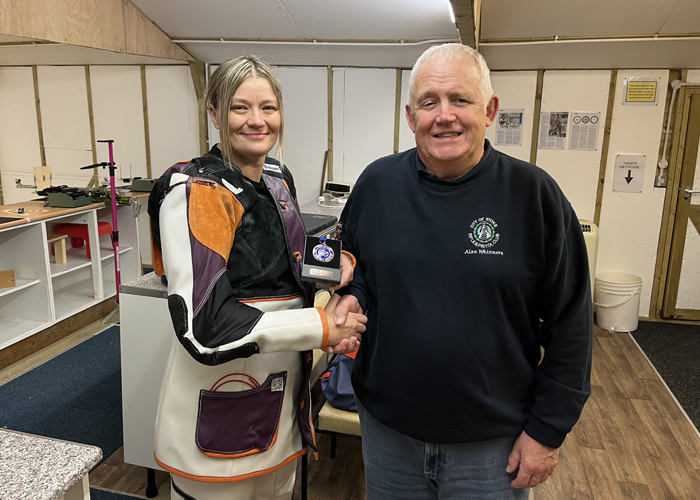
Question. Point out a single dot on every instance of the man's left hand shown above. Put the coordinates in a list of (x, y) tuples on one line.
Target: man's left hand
[(346, 272), (535, 461)]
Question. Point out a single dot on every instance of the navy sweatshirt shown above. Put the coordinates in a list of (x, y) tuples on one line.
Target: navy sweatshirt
[(463, 281)]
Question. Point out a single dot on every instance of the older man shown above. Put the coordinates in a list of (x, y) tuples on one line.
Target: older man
[(468, 261)]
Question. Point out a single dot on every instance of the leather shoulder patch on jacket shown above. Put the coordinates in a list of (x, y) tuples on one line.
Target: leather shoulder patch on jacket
[(214, 214)]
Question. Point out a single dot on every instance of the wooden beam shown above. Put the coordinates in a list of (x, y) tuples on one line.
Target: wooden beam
[(95, 180), (667, 219), (536, 117), (114, 25), (397, 110), (200, 86), (330, 124), (37, 102), (606, 146), (146, 130), (467, 17)]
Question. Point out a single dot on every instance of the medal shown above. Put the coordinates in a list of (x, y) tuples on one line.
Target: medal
[(322, 252)]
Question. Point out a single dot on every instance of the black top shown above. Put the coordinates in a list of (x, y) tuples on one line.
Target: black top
[(456, 276)]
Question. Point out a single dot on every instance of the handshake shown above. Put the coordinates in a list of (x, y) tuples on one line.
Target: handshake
[(346, 323)]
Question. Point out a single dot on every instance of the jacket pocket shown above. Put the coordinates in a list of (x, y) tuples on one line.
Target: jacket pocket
[(237, 424)]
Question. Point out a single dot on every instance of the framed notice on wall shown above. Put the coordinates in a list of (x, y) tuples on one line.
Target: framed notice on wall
[(641, 91)]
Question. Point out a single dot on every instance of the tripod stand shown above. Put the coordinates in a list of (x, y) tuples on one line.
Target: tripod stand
[(115, 230)]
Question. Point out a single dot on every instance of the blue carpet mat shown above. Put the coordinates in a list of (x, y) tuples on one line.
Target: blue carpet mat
[(76, 396), (96, 494), (674, 350)]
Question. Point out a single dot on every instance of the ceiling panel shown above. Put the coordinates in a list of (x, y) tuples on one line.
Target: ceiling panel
[(220, 18), (372, 19), (685, 18), (549, 18), (373, 56), (633, 54)]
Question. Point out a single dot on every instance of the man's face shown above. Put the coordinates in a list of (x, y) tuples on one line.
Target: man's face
[(449, 116)]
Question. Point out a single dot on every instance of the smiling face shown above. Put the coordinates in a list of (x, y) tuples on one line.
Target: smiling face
[(449, 117), (254, 122)]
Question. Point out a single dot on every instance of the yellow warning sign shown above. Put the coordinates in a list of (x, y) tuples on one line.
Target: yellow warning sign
[(641, 92)]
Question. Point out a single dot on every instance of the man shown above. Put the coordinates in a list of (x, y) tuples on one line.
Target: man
[(468, 261)]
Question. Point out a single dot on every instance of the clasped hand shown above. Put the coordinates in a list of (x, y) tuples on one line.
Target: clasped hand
[(344, 335)]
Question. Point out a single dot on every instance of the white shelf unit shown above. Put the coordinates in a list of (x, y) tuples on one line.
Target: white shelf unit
[(25, 308), (46, 292)]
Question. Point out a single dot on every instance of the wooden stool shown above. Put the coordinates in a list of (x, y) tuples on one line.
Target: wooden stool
[(79, 233), (59, 247), (337, 422)]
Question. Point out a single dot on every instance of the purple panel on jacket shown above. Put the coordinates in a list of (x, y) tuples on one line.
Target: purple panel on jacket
[(231, 423), (207, 267), (292, 219)]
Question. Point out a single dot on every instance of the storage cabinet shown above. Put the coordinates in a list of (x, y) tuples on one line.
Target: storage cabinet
[(46, 292)]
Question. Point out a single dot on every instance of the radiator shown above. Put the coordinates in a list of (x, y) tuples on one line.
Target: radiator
[(590, 235)]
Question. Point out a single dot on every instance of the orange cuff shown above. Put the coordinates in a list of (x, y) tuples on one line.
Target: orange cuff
[(324, 321), (351, 257)]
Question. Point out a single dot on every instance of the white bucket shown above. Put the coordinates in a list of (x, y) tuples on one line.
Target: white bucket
[(617, 301)]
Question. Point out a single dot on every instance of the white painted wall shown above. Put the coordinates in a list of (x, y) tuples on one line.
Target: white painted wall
[(173, 120), (407, 139), (117, 106), (19, 134), (363, 102), (516, 90), (575, 171), (66, 123), (305, 94), (630, 222)]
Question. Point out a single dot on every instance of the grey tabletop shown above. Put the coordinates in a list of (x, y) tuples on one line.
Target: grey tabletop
[(40, 468)]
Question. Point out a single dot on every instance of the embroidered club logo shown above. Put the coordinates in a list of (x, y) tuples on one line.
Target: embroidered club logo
[(323, 253), (484, 232)]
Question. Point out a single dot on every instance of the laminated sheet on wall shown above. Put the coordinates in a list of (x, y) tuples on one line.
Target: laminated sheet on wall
[(366, 110), (66, 123), (19, 134), (173, 116), (305, 94), (516, 90), (576, 172), (117, 105), (630, 222)]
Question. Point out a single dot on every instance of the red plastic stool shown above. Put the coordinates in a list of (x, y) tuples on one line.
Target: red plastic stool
[(79, 233)]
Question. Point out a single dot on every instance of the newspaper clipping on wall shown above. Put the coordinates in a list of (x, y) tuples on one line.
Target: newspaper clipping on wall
[(584, 131), (509, 127), (553, 129)]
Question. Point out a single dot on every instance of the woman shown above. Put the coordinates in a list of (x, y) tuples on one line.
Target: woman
[(234, 411)]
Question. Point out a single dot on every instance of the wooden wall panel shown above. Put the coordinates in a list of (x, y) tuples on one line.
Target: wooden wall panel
[(118, 112), (173, 119), (19, 137), (305, 126), (66, 123)]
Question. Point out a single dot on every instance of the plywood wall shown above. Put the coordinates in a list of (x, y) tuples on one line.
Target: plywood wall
[(630, 222)]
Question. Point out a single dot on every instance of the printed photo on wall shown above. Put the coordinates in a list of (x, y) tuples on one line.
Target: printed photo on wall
[(509, 127), (553, 128)]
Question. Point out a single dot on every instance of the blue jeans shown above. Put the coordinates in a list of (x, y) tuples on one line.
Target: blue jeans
[(398, 467)]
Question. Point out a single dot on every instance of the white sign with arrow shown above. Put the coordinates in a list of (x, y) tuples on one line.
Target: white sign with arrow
[(629, 173)]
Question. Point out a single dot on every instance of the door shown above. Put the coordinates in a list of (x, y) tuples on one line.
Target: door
[(682, 291)]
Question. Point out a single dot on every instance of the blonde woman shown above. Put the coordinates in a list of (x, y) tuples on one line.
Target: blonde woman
[(234, 411)]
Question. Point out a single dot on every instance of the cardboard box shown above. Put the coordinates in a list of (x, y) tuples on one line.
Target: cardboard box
[(7, 279)]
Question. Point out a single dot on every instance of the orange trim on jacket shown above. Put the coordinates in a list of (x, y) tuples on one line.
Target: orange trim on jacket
[(231, 479), (268, 300), (326, 331)]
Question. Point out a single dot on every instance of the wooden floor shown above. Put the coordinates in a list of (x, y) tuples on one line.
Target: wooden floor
[(633, 442)]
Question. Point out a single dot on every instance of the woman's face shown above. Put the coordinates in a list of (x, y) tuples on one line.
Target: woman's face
[(254, 120)]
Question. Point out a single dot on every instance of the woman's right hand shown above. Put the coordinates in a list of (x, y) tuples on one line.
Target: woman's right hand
[(351, 329)]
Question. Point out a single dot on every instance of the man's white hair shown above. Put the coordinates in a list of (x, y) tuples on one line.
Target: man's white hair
[(453, 52)]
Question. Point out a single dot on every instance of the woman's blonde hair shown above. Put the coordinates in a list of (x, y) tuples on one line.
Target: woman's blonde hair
[(223, 84)]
